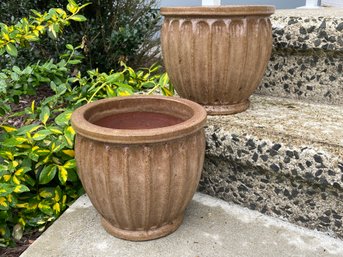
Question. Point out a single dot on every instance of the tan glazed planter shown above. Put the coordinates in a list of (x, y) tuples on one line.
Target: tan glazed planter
[(139, 159), (217, 56)]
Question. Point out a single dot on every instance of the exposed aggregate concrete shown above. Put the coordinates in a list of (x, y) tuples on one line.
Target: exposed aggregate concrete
[(307, 58), (280, 161)]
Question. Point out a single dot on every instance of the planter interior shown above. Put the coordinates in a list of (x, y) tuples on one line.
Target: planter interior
[(140, 160), (216, 56)]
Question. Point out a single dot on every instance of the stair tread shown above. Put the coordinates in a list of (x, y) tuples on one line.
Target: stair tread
[(292, 121)]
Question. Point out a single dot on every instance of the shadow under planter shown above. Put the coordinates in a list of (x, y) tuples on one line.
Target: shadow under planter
[(216, 56), (139, 159)]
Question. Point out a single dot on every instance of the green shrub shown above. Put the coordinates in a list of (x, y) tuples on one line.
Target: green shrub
[(121, 30), (30, 29), (116, 30), (38, 178), (38, 175)]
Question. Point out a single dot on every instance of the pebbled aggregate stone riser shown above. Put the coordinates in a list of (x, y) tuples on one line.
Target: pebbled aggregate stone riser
[(311, 32), (308, 205), (300, 183), (314, 76)]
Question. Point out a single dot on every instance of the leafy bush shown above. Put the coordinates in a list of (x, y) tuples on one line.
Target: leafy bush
[(38, 178), (116, 30), (121, 30)]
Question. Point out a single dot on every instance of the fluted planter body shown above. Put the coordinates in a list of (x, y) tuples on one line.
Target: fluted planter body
[(217, 56), (140, 159)]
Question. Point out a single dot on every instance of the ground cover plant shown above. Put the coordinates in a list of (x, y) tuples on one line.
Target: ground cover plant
[(38, 178)]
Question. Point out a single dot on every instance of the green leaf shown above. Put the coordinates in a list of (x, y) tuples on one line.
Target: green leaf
[(6, 189), (70, 153), (148, 84), (17, 70), (14, 141), (70, 164), (166, 91), (71, 8), (56, 27), (4, 206), (52, 32), (45, 208), (11, 50), (28, 129), (69, 135), (115, 77), (55, 130), (14, 76), (72, 3), (64, 118), (164, 80), (9, 129), (70, 47), (78, 17), (47, 174), (72, 176), (2, 50), (43, 152), (47, 192), (21, 189), (40, 135), (73, 62), (34, 156), (44, 115), (56, 147), (62, 174)]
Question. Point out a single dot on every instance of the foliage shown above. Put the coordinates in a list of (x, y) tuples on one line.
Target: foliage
[(30, 29), (116, 30), (121, 30), (38, 173), (38, 177)]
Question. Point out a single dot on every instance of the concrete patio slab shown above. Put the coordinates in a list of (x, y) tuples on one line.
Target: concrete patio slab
[(212, 228)]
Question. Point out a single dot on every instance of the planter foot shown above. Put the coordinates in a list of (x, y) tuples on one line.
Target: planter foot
[(142, 235), (227, 109)]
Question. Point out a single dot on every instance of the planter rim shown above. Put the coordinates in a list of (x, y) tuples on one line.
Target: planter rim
[(222, 10), (136, 136)]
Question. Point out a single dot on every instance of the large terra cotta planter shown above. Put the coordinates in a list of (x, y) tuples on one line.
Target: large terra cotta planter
[(139, 159), (216, 56)]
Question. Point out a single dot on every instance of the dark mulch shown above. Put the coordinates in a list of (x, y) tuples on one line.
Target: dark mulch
[(20, 246)]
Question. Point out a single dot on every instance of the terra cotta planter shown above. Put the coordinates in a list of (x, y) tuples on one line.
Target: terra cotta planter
[(139, 159), (216, 56)]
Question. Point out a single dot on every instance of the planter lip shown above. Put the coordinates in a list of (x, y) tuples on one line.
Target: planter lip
[(222, 10), (137, 136)]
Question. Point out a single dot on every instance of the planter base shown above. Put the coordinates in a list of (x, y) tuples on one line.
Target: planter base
[(142, 235), (227, 109)]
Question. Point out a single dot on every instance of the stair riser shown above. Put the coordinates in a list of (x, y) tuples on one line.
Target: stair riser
[(307, 57), (313, 76), (306, 205), (280, 183)]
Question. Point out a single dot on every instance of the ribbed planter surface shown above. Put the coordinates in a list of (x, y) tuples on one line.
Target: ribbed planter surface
[(140, 180), (217, 56)]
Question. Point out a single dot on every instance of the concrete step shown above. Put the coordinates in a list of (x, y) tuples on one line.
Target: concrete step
[(307, 58), (212, 228), (281, 157)]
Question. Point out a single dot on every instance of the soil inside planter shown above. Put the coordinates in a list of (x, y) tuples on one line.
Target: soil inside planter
[(138, 120)]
